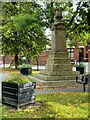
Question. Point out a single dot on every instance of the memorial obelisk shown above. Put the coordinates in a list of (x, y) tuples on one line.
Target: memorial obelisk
[(58, 70)]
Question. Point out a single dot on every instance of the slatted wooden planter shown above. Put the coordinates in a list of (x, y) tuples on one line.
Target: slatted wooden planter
[(18, 95)]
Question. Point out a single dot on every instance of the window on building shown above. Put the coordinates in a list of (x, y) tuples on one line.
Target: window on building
[(71, 53)]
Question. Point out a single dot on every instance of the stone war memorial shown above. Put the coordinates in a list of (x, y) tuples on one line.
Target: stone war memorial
[(58, 70)]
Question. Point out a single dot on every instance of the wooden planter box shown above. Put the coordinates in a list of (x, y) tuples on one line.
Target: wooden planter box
[(18, 95), (81, 69), (26, 71)]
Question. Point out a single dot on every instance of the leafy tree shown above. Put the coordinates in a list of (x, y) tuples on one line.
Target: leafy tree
[(23, 29), (9, 37), (80, 24), (77, 21)]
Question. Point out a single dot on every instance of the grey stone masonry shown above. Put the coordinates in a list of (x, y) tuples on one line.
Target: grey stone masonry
[(58, 70)]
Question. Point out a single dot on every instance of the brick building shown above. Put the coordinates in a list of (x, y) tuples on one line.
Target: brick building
[(80, 54)]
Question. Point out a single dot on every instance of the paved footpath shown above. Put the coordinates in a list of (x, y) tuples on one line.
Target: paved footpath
[(3, 76), (72, 89)]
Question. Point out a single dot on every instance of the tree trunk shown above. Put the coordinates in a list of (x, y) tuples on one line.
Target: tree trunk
[(16, 60), (37, 65), (4, 61)]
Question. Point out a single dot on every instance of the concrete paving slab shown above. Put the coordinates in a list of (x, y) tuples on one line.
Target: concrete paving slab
[(47, 91), (3, 76)]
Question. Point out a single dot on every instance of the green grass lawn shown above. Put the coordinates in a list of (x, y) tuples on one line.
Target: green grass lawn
[(55, 105), (13, 71)]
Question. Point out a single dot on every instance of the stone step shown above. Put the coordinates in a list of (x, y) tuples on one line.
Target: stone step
[(58, 60), (58, 54), (62, 67), (71, 72), (54, 83), (63, 83), (67, 73), (57, 78), (40, 81)]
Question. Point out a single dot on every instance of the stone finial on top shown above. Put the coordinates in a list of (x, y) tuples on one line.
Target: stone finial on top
[(58, 15)]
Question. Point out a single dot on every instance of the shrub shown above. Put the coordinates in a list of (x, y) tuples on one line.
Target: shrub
[(18, 80), (80, 65), (25, 66)]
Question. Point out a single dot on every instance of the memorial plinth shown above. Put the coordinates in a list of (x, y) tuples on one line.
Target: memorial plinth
[(58, 70)]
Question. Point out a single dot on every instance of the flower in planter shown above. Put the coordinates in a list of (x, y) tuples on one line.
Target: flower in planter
[(25, 66), (18, 91), (25, 69), (80, 65), (18, 80)]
